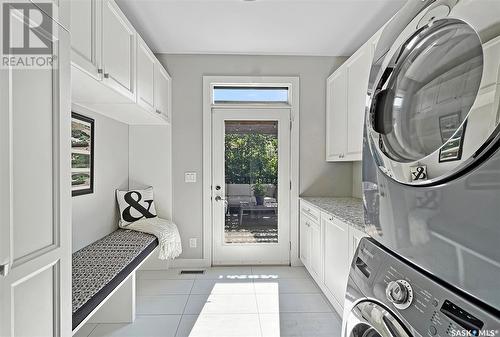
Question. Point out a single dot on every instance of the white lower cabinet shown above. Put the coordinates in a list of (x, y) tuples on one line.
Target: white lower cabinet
[(327, 246), (336, 256), (305, 239), (315, 261)]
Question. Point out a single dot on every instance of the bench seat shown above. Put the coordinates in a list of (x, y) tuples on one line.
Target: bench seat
[(101, 266)]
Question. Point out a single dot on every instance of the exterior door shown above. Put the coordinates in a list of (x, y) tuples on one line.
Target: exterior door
[(251, 186), (35, 199)]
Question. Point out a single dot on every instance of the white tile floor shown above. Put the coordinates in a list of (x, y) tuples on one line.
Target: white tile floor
[(226, 302)]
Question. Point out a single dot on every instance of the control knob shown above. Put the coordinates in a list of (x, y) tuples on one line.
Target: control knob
[(399, 293)]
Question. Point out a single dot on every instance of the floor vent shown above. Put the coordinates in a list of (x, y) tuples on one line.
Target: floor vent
[(192, 272)]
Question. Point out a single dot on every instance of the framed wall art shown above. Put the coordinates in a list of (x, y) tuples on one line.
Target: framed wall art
[(82, 154)]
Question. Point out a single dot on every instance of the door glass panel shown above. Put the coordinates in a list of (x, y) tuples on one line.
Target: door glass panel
[(251, 178), (429, 93), (250, 95)]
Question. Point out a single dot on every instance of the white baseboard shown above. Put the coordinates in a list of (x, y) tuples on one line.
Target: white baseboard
[(154, 263)]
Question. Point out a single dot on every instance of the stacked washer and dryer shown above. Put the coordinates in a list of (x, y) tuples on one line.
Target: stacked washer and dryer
[(431, 177)]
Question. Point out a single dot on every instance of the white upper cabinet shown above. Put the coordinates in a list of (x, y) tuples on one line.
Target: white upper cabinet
[(118, 50), (58, 10), (358, 71), (347, 90), (86, 37), (163, 92), (336, 115), (114, 72), (146, 64)]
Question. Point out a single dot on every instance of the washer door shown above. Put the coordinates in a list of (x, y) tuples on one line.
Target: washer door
[(434, 110), (368, 319)]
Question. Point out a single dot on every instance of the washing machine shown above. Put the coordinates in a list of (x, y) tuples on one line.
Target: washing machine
[(387, 297), (431, 164)]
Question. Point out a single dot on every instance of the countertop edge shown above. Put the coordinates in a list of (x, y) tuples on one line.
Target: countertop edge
[(353, 224)]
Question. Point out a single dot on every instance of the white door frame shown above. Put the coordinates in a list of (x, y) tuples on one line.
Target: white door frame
[(292, 83)]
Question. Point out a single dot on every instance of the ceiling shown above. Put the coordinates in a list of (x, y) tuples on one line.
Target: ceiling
[(259, 27)]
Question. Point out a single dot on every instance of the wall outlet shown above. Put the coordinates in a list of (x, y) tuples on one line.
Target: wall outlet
[(189, 177), (193, 243)]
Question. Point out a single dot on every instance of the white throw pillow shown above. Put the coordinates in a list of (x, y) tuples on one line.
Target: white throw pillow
[(135, 205)]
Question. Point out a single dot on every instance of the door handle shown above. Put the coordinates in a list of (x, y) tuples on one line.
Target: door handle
[(219, 198), (4, 269)]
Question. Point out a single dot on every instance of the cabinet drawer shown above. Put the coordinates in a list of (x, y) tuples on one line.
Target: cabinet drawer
[(310, 211)]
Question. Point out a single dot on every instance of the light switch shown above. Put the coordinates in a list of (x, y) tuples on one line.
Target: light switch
[(190, 177)]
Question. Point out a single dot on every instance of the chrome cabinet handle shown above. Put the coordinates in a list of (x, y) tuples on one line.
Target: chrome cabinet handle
[(99, 71), (4, 269), (106, 75), (219, 198)]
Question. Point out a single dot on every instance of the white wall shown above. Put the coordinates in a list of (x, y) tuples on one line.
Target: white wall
[(96, 215), (150, 164), (317, 177), (357, 188)]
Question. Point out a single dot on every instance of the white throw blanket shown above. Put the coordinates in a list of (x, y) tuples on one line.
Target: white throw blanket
[(167, 233)]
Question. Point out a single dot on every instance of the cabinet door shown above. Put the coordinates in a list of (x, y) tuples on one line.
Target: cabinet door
[(35, 207), (336, 257), (336, 115), (118, 50), (305, 239), (145, 76), (163, 87), (86, 36), (358, 71), (316, 256)]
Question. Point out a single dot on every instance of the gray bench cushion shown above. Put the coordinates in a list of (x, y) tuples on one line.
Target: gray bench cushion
[(100, 267)]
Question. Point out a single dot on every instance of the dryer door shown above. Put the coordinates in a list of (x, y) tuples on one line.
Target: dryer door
[(433, 111), (369, 319)]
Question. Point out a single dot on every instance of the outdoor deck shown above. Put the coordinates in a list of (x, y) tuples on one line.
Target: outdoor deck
[(256, 227)]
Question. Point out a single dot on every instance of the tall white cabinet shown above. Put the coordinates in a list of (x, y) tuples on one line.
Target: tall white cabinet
[(346, 103), (35, 197)]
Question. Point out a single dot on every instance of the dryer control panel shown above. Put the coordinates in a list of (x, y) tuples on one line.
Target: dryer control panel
[(427, 306)]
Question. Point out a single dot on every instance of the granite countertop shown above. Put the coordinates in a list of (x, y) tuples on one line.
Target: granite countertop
[(348, 210)]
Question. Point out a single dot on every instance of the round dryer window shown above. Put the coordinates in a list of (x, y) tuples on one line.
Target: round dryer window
[(369, 319), (432, 110)]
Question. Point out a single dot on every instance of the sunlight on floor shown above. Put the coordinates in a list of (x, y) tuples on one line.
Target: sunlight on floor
[(234, 322)]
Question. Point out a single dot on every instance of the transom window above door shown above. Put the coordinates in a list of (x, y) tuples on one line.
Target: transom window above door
[(250, 95)]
